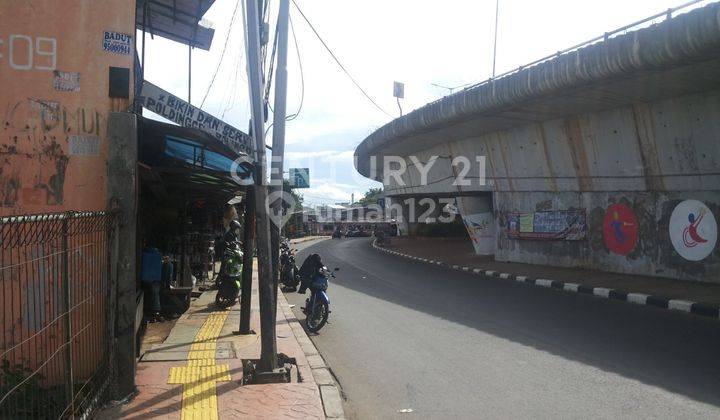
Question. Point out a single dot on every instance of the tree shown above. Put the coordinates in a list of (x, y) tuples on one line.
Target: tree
[(297, 198), (371, 197)]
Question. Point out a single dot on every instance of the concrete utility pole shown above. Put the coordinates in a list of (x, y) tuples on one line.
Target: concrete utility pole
[(268, 343), (248, 247), (278, 141)]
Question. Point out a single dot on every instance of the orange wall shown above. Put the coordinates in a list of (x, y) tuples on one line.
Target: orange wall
[(53, 140)]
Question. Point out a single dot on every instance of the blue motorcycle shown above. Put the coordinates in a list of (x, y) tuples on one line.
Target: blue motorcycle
[(317, 306)]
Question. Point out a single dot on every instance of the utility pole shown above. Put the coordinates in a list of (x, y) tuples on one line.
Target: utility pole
[(248, 247), (278, 140), (268, 343)]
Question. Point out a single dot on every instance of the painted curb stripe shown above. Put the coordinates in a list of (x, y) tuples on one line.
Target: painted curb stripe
[(697, 308), (602, 292), (543, 282), (680, 305), (571, 287), (706, 309), (658, 301), (637, 298)]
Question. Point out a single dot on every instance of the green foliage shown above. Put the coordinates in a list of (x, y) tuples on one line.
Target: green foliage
[(297, 197), (29, 398), (371, 196)]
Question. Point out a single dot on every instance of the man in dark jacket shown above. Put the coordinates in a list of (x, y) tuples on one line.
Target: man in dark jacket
[(309, 269)]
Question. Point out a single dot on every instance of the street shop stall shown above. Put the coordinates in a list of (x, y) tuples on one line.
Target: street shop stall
[(187, 197)]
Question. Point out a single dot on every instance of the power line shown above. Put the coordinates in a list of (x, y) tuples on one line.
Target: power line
[(338, 61), (222, 54), (302, 76)]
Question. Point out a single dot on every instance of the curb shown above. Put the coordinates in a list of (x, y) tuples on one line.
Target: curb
[(330, 393), (307, 239), (697, 308)]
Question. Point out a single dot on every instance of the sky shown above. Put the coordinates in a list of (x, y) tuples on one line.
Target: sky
[(417, 42)]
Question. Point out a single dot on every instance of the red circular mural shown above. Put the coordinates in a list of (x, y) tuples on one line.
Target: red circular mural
[(620, 229)]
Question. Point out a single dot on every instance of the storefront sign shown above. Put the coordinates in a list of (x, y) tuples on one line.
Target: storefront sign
[(177, 110), (620, 229), (693, 230), (569, 225), (481, 228)]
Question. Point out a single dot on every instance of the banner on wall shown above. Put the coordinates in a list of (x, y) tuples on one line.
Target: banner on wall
[(481, 228), (568, 225)]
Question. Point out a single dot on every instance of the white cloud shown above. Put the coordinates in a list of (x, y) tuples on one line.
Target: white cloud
[(417, 42)]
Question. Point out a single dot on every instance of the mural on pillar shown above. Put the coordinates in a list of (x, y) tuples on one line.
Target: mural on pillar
[(620, 229), (693, 230)]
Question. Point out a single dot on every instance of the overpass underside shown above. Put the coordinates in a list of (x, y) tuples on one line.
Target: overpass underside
[(603, 158)]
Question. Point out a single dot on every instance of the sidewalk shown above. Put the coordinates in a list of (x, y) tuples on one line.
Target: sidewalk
[(196, 372), (656, 291)]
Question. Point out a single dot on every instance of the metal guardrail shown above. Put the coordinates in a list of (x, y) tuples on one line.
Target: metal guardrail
[(667, 14), (54, 299)]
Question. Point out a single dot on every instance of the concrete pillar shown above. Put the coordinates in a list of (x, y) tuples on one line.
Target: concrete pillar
[(477, 215), (122, 196)]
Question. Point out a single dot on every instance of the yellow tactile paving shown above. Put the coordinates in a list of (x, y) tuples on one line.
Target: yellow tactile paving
[(198, 377)]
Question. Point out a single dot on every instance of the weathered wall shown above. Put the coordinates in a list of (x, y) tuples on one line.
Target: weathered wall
[(649, 156), (54, 102), (653, 254)]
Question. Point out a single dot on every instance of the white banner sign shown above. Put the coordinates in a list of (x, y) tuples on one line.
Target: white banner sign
[(177, 110)]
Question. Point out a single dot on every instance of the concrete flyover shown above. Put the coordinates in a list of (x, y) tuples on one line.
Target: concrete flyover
[(606, 156)]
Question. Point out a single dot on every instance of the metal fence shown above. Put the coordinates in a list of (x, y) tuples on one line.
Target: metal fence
[(56, 314)]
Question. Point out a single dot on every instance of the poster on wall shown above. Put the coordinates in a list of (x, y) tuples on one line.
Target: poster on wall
[(481, 228), (693, 230), (620, 229), (568, 225)]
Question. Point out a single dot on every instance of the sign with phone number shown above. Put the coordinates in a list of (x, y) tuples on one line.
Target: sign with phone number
[(117, 43)]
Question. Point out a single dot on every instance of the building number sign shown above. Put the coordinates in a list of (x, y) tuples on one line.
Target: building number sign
[(23, 52)]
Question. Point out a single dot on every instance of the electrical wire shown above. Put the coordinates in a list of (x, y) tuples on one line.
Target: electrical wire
[(302, 84), (338, 61), (222, 54), (302, 76)]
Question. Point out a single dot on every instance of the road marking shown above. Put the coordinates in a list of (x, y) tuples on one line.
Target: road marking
[(198, 377)]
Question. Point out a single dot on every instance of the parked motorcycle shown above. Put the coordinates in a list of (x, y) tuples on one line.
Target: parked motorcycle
[(230, 276), (317, 306), (289, 276)]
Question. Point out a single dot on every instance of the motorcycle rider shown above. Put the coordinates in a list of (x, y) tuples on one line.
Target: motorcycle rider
[(310, 268), (229, 237)]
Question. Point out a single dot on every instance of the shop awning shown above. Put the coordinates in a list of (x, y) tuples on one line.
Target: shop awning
[(188, 162), (178, 20)]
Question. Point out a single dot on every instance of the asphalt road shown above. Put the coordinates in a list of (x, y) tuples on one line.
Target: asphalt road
[(406, 335)]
